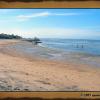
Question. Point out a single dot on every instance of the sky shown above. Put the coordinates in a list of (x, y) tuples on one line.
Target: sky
[(51, 23)]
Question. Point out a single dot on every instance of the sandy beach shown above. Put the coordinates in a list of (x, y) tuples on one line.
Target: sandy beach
[(23, 69)]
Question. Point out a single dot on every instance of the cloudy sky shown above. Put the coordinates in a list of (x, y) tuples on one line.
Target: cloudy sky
[(51, 23)]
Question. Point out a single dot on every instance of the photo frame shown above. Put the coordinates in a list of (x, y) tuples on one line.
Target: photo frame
[(60, 95), (49, 4)]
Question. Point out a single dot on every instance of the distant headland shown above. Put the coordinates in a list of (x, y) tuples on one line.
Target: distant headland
[(8, 36)]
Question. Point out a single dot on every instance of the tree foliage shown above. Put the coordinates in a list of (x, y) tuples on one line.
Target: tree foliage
[(7, 36)]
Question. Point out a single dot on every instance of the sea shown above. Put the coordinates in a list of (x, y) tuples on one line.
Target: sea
[(91, 47)]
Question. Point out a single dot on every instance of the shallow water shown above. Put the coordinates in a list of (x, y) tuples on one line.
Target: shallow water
[(91, 47), (48, 52)]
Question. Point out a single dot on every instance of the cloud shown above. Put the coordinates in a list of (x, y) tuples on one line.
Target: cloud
[(64, 32), (26, 17), (64, 14), (43, 14), (53, 32)]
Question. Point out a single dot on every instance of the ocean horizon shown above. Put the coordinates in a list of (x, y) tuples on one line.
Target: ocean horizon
[(88, 46)]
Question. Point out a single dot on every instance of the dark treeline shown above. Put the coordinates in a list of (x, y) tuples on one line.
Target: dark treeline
[(7, 36)]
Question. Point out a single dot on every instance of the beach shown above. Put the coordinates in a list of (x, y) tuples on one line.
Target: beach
[(25, 67)]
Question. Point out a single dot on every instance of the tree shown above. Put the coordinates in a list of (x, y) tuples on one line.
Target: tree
[(7, 36)]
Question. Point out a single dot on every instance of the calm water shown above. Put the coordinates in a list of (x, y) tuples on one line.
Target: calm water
[(74, 45)]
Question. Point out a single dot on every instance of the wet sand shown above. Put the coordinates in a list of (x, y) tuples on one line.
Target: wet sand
[(21, 70)]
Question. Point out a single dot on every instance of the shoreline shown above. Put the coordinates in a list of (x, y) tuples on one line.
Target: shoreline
[(21, 70), (25, 48)]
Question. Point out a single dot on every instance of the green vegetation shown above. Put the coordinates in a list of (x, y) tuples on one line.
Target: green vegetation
[(7, 36), (34, 40)]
